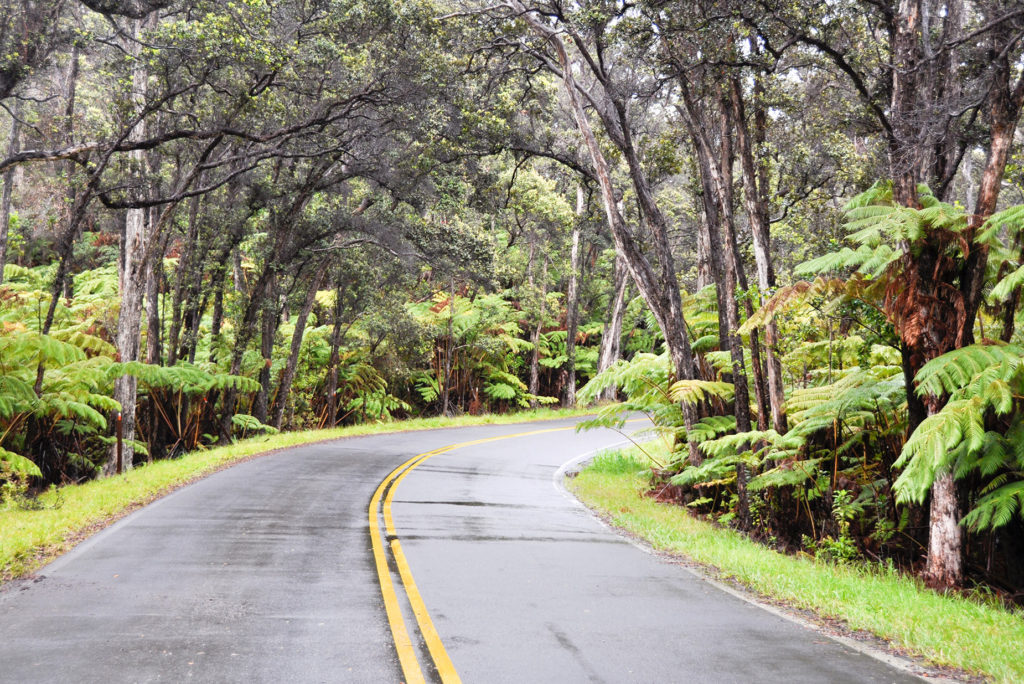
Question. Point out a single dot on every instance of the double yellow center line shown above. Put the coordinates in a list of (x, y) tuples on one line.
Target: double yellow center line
[(403, 642)]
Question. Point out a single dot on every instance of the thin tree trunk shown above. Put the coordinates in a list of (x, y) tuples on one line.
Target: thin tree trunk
[(268, 329), (129, 322), (184, 276), (1010, 315), (5, 199), (237, 272), (244, 334), (535, 335), (757, 213), (611, 339), (711, 202), (332, 363), (156, 442), (572, 300), (705, 268), (154, 269), (449, 353), (730, 277), (131, 277), (661, 294), (293, 355), (218, 312)]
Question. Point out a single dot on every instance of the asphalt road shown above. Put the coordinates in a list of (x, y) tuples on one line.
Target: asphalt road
[(265, 573)]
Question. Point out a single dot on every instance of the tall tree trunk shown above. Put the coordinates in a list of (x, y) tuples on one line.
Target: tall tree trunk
[(904, 152), (611, 338), (237, 271), (268, 330), (184, 277), (572, 300), (217, 283), (727, 158), (535, 335), (757, 213), (154, 272), (945, 540), (293, 354), (705, 272), (332, 363), (131, 286), (131, 274), (712, 190), (446, 378), (156, 442), (5, 199), (661, 292), (730, 277)]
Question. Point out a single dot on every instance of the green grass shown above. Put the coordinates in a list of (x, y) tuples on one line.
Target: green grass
[(66, 515), (950, 630)]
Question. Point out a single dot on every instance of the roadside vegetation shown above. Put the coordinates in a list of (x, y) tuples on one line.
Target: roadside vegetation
[(36, 529), (974, 631)]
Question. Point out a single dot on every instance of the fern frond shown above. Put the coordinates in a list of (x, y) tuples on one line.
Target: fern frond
[(997, 508), (19, 464), (695, 391), (1005, 287), (791, 474), (935, 445), (958, 369)]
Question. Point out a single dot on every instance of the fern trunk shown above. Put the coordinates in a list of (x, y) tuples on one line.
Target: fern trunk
[(945, 536)]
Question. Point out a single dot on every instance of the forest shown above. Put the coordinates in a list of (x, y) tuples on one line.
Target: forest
[(790, 232)]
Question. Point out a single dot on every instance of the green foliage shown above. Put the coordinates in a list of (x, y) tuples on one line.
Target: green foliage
[(247, 424), (645, 381), (695, 391), (976, 433)]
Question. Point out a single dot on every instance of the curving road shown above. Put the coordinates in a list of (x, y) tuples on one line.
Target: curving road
[(269, 572)]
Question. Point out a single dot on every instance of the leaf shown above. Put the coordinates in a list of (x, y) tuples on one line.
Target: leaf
[(19, 464), (695, 391)]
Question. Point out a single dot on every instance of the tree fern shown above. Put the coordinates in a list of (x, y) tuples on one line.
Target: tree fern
[(982, 381)]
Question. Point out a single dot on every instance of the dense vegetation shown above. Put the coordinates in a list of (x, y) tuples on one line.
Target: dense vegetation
[(786, 230)]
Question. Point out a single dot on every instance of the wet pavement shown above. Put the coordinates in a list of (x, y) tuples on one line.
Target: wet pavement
[(264, 573)]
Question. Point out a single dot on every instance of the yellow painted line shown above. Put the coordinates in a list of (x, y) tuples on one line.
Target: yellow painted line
[(403, 644), (443, 663)]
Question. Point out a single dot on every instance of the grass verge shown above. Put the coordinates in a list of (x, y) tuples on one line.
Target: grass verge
[(62, 517), (951, 631)]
